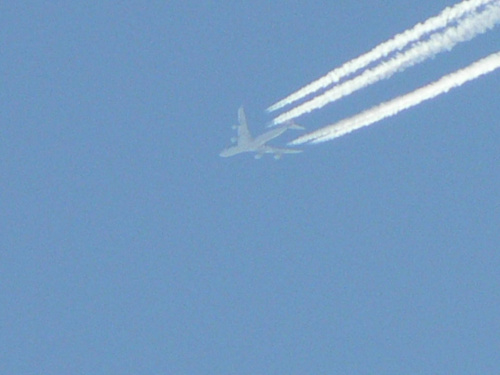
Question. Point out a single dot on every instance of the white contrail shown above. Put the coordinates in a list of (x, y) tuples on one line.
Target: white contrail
[(467, 29), (397, 43), (391, 108)]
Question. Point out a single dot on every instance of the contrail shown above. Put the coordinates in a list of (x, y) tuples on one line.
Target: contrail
[(397, 43), (393, 107), (467, 29)]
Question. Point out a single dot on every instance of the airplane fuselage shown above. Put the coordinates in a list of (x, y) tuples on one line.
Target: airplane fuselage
[(257, 144), (246, 143)]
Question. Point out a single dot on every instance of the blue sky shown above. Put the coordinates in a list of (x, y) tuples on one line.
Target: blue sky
[(129, 246)]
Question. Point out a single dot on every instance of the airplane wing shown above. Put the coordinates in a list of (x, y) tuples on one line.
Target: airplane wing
[(243, 132)]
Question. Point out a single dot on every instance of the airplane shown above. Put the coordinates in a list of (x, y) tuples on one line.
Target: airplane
[(246, 143)]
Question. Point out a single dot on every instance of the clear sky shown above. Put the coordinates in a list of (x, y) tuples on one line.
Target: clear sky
[(128, 246)]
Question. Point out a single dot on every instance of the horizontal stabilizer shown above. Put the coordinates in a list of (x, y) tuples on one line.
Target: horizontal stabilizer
[(293, 125)]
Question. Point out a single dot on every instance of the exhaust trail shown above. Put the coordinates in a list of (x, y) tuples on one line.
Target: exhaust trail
[(393, 107), (397, 43), (466, 30)]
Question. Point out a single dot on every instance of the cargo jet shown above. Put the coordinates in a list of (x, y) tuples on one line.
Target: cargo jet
[(246, 143)]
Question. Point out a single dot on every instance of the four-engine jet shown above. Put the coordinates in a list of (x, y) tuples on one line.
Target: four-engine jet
[(246, 143)]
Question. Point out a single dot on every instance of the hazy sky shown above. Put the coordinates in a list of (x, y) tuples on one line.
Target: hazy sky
[(127, 245)]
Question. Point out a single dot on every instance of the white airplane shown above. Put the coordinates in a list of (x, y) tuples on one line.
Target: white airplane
[(246, 143)]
